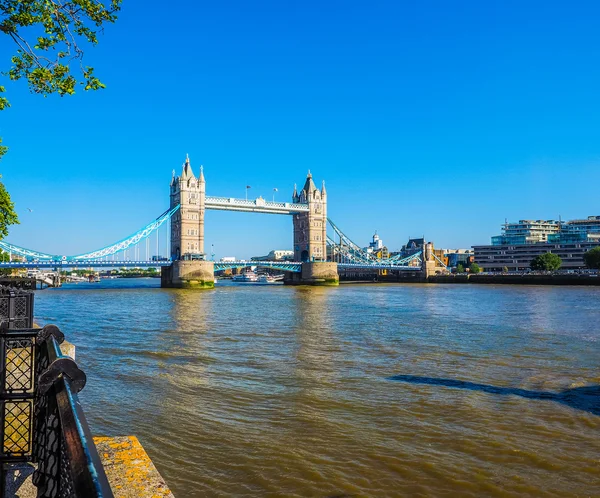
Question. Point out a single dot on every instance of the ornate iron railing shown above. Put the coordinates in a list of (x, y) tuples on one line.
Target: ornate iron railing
[(41, 417), (16, 308)]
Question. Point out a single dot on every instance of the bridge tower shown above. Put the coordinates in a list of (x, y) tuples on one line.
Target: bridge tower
[(189, 270), (187, 224), (428, 265), (310, 237), (310, 229)]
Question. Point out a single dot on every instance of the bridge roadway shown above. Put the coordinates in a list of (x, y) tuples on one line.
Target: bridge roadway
[(291, 266), (259, 205), (84, 264)]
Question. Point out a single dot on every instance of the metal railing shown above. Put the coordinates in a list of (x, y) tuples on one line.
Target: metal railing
[(41, 419), (16, 308)]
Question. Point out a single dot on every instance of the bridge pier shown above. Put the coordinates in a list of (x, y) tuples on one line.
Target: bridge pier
[(188, 275), (315, 273)]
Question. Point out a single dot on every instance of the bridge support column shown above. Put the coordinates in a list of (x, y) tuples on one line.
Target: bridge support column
[(428, 270), (316, 273), (189, 275)]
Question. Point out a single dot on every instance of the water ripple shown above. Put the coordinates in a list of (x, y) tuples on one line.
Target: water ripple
[(352, 391)]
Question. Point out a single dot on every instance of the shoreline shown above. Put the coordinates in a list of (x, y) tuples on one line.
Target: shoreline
[(571, 280)]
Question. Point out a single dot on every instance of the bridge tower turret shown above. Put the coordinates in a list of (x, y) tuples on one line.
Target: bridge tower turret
[(187, 224), (310, 229)]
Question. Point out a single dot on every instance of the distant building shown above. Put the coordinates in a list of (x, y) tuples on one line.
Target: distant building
[(376, 248), (276, 255), (587, 230), (412, 246), (228, 259), (455, 257), (526, 232), (520, 242)]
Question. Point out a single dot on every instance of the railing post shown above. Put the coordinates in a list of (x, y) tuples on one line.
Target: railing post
[(68, 463)]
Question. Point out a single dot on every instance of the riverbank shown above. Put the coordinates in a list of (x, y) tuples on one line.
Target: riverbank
[(526, 279), (464, 278)]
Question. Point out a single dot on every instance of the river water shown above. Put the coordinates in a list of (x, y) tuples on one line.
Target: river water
[(361, 390)]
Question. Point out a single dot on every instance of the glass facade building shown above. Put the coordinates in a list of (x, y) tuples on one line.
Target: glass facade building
[(526, 232), (520, 242)]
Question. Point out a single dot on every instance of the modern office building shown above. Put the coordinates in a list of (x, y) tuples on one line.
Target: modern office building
[(526, 232), (457, 257), (520, 242), (587, 230)]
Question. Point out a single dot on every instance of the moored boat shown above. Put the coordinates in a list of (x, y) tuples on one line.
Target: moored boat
[(247, 276), (269, 279)]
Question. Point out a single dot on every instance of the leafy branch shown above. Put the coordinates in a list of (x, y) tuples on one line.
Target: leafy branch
[(48, 35), (44, 61)]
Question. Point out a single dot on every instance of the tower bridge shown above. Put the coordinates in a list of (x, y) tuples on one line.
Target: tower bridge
[(189, 269), (317, 257)]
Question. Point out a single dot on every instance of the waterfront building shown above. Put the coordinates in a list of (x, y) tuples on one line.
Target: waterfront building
[(416, 245), (455, 257), (520, 242), (586, 230), (276, 255), (411, 247), (526, 232)]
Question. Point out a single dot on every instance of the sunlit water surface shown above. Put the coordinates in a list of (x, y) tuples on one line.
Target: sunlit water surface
[(366, 390)]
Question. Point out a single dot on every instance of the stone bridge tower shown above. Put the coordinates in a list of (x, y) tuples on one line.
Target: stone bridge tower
[(310, 229), (188, 270), (187, 224)]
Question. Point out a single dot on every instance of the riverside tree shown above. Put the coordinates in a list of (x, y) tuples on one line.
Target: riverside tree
[(48, 36), (7, 212), (546, 262), (592, 258), (474, 268)]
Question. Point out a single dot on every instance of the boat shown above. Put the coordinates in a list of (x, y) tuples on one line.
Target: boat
[(269, 279), (247, 276)]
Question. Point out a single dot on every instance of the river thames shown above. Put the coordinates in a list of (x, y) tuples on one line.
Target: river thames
[(361, 390)]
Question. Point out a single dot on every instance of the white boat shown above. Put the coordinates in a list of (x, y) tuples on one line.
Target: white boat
[(269, 279), (247, 276)]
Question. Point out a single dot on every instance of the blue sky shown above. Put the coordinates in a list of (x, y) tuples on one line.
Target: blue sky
[(431, 118)]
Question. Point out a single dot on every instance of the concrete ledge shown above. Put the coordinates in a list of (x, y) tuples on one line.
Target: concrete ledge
[(68, 349), (130, 472), (129, 469)]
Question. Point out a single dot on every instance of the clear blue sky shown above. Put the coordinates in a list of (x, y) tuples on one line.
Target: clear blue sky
[(436, 118)]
